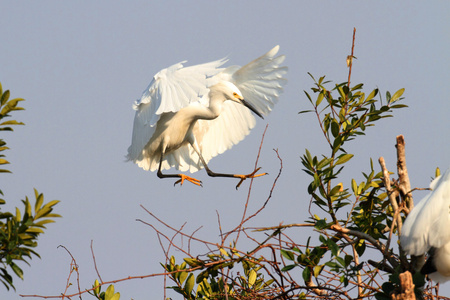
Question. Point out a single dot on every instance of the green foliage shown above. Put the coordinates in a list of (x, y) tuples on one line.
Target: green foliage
[(344, 113), (211, 284), (6, 107), (19, 231), (109, 294), (341, 120)]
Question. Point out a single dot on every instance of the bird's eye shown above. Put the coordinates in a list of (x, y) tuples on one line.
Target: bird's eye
[(235, 95)]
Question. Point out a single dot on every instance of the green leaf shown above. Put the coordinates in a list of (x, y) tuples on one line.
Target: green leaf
[(354, 186), (39, 201), (224, 253), (321, 224), (305, 111), (388, 97), (42, 212), (306, 274), (317, 270), (333, 247), (360, 247), (308, 96), (397, 95), (287, 254), (344, 158), (52, 203), (182, 277), (43, 222), (193, 262), (16, 270), (332, 265), (341, 261), (398, 106), (96, 287), (4, 97), (334, 128), (110, 295), (18, 215), (115, 297), (11, 122), (308, 156), (324, 162), (252, 278), (189, 284), (372, 95), (348, 260), (335, 189), (204, 287), (287, 268), (200, 277), (319, 98), (34, 230)]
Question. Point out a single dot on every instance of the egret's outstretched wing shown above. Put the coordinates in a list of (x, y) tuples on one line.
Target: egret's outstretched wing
[(428, 224), (216, 136), (261, 82), (170, 90)]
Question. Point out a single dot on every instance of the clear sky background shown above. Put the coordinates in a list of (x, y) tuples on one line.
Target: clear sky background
[(81, 64)]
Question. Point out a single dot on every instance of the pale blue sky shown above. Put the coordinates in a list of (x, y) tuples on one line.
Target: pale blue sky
[(80, 65)]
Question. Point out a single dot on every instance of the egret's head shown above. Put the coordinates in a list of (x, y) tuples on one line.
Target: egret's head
[(232, 93)]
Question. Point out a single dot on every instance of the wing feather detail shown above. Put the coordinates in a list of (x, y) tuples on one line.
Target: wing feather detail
[(261, 83), (232, 126)]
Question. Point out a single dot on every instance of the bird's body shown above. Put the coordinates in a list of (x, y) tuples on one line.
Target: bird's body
[(427, 229), (184, 118)]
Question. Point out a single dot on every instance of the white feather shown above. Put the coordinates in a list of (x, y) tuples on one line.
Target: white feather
[(428, 225)]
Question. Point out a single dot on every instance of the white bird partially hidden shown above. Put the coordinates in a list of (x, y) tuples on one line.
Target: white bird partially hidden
[(188, 115), (427, 229)]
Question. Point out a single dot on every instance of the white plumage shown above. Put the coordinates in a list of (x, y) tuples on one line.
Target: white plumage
[(183, 113), (427, 229)]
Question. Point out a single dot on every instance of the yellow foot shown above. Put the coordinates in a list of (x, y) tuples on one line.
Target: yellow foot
[(251, 175), (190, 179)]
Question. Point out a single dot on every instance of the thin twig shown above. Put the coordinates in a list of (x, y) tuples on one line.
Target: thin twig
[(73, 267), (239, 227), (95, 263), (351, 58), (271, 190)]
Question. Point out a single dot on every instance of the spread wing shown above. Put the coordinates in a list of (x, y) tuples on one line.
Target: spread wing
[(428, 224), (261, 83), (170, 90)]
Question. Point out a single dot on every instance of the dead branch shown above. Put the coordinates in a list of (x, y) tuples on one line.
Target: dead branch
[(407, 288)]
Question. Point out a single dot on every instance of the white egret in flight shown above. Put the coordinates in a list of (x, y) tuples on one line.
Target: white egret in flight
[(188, 115), (427, 229)]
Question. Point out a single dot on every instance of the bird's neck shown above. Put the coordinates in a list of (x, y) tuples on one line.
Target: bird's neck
[(216, 100)]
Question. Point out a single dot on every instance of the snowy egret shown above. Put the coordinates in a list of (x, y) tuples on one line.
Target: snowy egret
[(427, 229), (183, 118)]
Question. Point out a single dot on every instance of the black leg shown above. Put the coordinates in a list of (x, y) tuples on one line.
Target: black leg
[(181, 176), (214, 174)]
